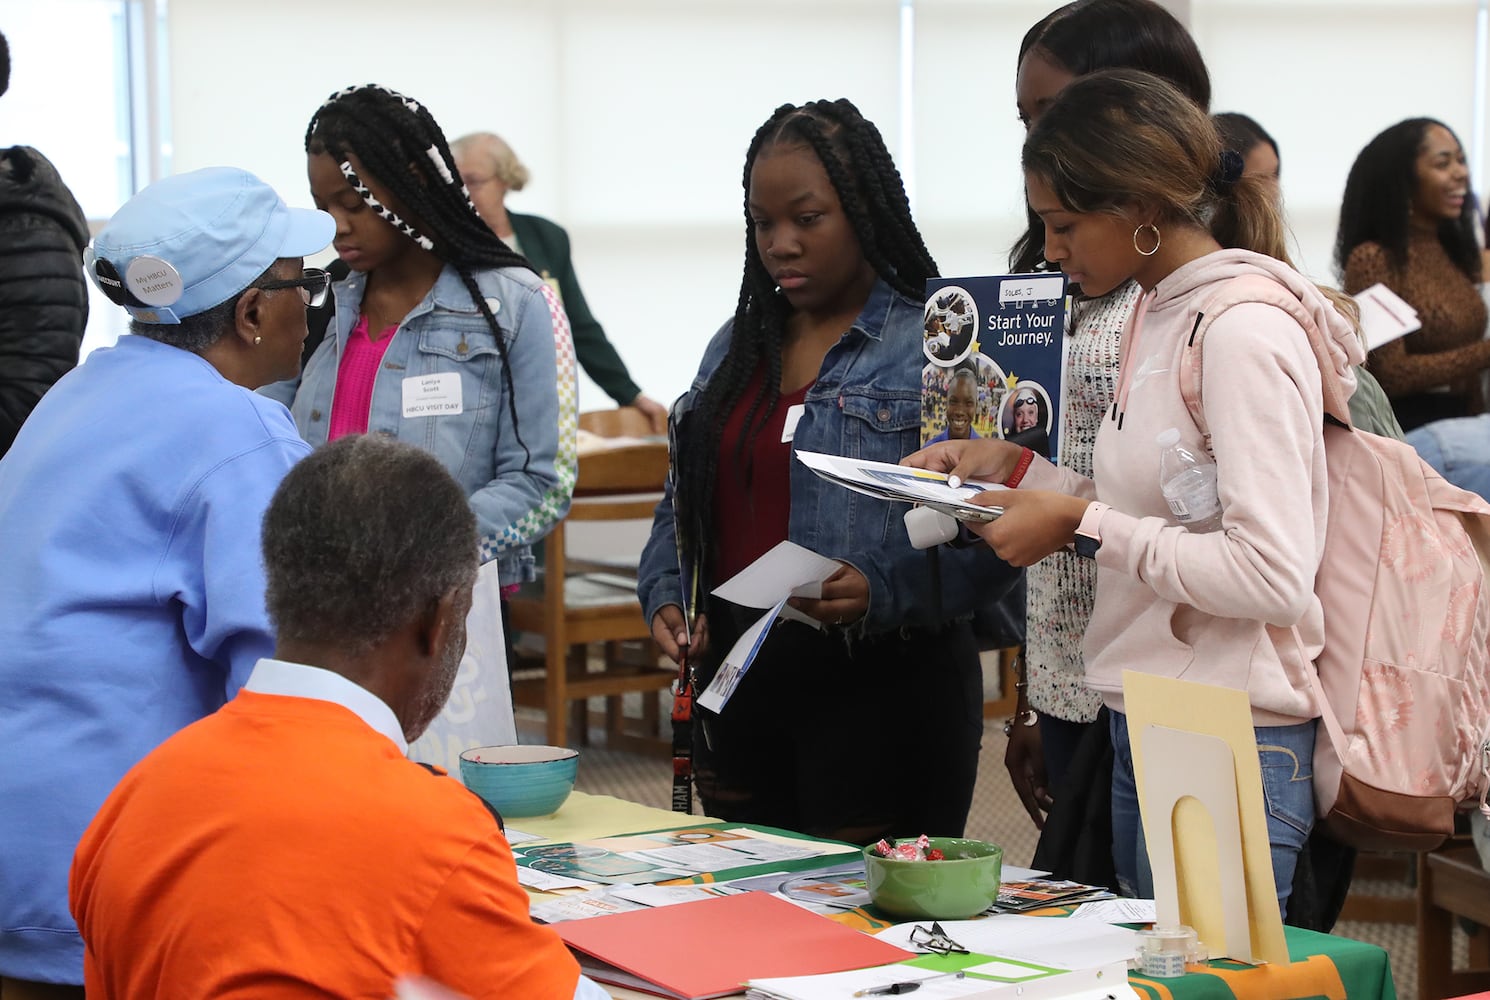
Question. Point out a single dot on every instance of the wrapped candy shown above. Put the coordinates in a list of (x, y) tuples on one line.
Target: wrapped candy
[(919, 849)]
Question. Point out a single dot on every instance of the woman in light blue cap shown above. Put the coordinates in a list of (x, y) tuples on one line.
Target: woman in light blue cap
[(132, 602)]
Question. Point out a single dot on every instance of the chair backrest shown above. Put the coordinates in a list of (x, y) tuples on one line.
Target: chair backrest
[(623, 421), (634, 462), (627, 468)]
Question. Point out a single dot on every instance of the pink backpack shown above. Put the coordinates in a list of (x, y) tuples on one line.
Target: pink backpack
[(1403, 681)]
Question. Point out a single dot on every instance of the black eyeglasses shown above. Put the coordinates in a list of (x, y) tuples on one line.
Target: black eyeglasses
[(935, 940), (313, 285)]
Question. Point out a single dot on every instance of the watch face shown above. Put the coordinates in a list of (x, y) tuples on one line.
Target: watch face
[(1086, 546)]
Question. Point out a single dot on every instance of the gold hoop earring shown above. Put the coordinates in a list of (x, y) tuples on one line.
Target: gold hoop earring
[(1157, 239), (258, 341)]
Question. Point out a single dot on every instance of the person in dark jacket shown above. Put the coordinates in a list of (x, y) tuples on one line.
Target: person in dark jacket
[(490, 169), (43, 298)]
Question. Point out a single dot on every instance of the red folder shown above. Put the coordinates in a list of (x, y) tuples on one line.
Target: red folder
[(710, 947)]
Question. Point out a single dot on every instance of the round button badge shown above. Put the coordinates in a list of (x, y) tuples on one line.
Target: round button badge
[(154, 281)]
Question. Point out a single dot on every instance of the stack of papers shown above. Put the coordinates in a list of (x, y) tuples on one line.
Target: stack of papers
[(1038, 893), (1050, 941), (1107, 982), (644, 858), (903, 484)]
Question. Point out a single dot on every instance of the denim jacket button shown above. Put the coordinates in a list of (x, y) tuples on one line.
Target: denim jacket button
[(315, 414), (884, 415)]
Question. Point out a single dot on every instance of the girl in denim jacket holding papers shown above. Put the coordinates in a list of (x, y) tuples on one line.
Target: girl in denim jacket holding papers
[(446, 339), (870, 727)]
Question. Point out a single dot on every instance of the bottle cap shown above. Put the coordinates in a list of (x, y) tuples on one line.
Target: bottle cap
[(1170, 436)]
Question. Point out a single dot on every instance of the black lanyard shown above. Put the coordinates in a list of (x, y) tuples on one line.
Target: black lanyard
[(685, 684)]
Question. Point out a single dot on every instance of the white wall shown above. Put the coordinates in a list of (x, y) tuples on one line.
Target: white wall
[(634, 117)]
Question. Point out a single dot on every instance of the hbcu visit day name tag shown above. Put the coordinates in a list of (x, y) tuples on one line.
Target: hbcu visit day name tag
[(433, 395)]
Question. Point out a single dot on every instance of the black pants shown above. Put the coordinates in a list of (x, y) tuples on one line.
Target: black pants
[(854, 742)]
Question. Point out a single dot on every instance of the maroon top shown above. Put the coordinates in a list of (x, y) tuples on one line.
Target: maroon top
[(751, 517)]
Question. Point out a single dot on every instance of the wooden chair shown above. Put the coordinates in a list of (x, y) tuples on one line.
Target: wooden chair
[(583, 598), (1452, 883)]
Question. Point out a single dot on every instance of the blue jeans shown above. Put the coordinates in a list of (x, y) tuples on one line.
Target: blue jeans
[(1287, 757)]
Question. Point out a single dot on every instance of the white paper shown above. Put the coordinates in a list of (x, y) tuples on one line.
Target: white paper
[(1106, 982), (1014, 873), (702, 858), (1010, 972), (1384, 316), (788, 570), (1117, 911), (666, 895), (903, 484), (793, 417), (835, 985), (532, 878), (1058, 942), (582, 906), (737, 662), (518, 837)]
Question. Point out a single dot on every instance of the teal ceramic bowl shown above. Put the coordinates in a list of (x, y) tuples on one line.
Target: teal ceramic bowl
[(962, 885), (520, 781)]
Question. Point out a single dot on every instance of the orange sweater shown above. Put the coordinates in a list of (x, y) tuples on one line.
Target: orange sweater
[(283, 848)]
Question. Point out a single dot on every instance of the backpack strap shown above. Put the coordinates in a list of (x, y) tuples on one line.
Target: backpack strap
[(1265, 290)]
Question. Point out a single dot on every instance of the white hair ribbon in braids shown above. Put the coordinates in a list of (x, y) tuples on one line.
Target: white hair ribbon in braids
[(433, 152), (387, 214)]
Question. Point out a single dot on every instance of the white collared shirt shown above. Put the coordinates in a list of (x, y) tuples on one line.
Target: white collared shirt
[(299, 680)]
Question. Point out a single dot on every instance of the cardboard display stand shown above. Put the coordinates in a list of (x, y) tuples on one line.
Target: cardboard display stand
[(1204, 817)]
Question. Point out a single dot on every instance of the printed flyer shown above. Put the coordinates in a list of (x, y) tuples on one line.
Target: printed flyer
[(995, 359)]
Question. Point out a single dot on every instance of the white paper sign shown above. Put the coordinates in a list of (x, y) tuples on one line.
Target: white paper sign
[(433, 395), (793, 416)]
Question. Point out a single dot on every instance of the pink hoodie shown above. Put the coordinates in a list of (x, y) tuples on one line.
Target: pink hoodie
[(1215, 608)]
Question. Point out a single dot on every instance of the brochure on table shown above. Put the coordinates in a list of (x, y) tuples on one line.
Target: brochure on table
[(645, 858), (995, 351)]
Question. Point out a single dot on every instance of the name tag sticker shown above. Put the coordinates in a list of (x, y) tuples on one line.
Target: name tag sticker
[(433, 395), (793, 415)]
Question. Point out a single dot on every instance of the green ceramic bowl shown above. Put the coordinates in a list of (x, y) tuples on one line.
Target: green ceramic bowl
[(962, 885)]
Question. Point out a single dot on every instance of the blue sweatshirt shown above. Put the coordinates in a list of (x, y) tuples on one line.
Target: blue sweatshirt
[(131, 602)]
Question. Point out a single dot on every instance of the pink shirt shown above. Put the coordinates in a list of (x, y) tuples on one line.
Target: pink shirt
[(352, 403)]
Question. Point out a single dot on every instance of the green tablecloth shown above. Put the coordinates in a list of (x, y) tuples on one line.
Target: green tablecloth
[(1323, 966)]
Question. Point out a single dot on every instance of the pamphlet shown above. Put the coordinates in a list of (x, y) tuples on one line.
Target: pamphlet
[(995, 359), (904, 484), (1384, 316), (645, 858), (1037, 893)]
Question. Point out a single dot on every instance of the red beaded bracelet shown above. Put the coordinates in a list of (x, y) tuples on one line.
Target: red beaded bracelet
[(1026, 456)]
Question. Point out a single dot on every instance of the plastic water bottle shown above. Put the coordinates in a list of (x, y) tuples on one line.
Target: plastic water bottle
[(1188, 482)]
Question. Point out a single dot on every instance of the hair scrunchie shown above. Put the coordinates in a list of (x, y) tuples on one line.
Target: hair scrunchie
[(1228, 172)]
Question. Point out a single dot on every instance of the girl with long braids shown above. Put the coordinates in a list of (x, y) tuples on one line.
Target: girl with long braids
[(1129, 179), (823, 354), (444, 338)]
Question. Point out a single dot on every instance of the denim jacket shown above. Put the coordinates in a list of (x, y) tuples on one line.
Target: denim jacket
[(866, 403), (517, 497)]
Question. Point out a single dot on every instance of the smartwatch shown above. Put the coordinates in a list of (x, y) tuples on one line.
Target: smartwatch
[(1089, 533)]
